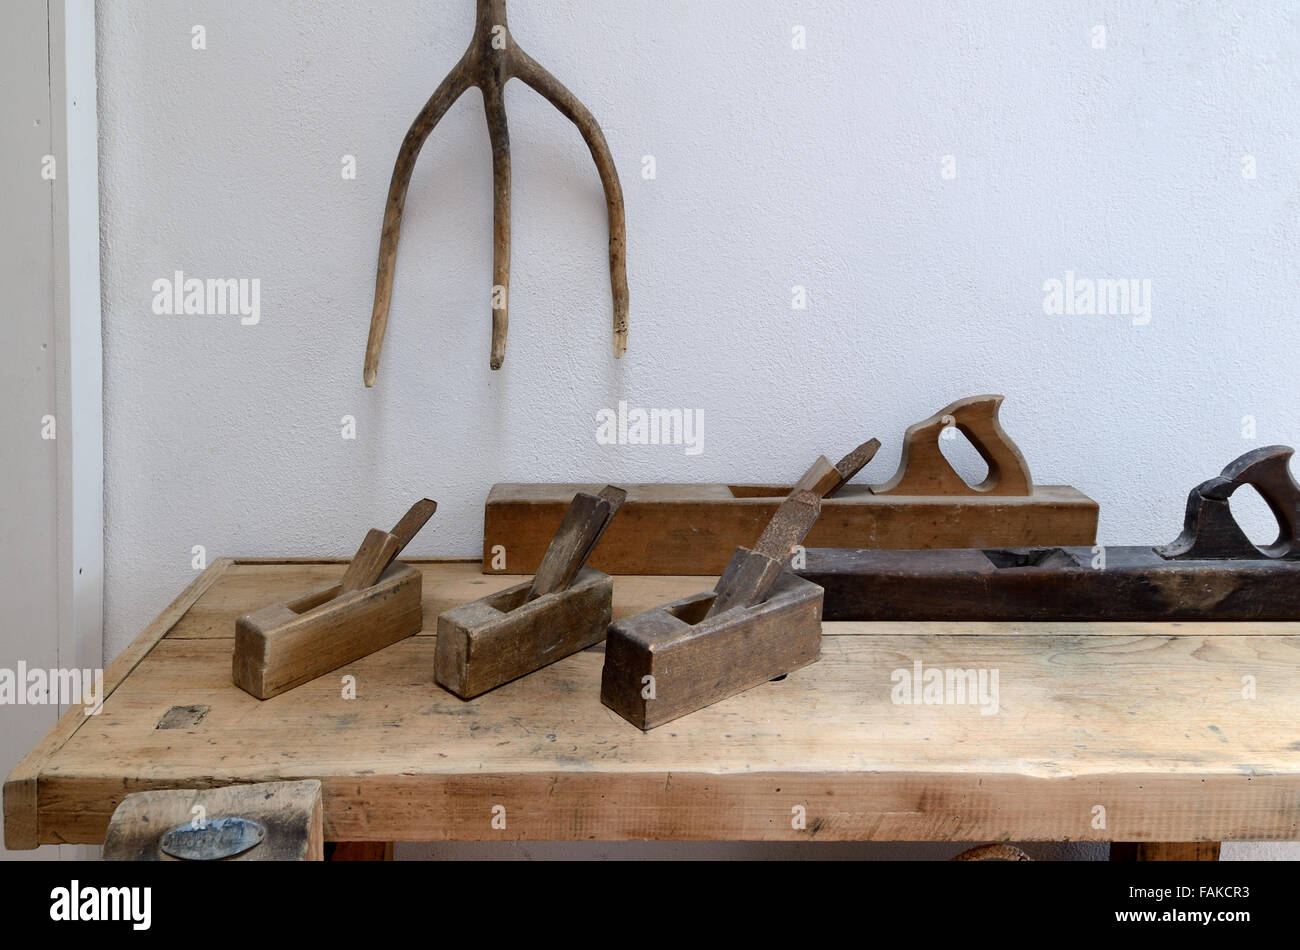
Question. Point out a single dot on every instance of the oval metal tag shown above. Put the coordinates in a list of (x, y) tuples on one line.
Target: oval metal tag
[(214, 840)]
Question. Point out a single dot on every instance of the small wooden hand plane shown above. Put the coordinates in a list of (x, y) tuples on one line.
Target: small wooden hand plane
[(376, 604), (565, 608), (1212, 571), (759, 623), (692, 529)]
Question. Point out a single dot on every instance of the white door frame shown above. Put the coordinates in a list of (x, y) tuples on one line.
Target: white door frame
[(54, 313), (79, 358)]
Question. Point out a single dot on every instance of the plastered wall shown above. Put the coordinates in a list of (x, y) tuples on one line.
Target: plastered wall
[(921, 171)]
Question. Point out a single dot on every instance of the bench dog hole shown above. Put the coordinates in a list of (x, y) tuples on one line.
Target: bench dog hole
[(182, 717)]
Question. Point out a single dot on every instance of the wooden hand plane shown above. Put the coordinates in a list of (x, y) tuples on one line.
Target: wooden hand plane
[(376, 604), (693, 529), (565, 608), (759, 623), (1212, 571)]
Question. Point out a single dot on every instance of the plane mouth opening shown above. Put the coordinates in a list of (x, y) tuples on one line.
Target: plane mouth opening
[(1012, 558)]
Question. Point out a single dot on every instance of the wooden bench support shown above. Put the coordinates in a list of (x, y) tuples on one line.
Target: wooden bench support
[(359, 851), (1164, 851)]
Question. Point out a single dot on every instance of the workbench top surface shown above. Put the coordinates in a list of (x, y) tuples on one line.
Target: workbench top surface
[(1102, 731)]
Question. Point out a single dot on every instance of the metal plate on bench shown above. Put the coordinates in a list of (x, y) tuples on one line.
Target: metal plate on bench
[(213, 840)]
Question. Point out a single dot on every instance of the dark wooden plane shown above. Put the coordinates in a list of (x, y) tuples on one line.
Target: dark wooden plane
[(1212, 571)]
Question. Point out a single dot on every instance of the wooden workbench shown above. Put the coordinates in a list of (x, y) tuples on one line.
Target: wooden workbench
[(1147, 721)]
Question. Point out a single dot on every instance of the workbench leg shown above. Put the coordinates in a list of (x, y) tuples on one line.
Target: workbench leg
[(1164, 851), (358, 851)]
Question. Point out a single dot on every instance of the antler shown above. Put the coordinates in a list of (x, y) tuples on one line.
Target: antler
[(492, 60)]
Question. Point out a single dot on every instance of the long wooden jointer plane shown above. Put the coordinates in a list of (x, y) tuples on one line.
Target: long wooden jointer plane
[(694, 528), (1212, 571)]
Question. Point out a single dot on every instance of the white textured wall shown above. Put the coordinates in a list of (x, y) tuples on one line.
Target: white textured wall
[(775, 167)]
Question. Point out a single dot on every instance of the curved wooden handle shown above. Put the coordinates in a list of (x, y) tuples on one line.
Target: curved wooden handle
[(1211, 532), (923, 469)]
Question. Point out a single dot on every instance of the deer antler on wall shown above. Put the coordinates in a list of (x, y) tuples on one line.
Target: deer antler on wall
[(493, 58)]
